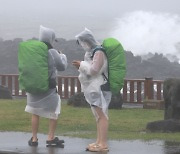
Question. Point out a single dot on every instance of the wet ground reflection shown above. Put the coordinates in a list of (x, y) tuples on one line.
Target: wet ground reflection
[(16, 143), (171, 147)]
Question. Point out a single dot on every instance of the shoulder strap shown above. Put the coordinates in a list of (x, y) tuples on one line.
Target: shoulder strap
[(52, 81), (48, 45), (96, 49), (103, 50)]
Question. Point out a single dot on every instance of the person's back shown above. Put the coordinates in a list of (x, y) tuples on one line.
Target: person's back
[(47, 104), (56, 61)]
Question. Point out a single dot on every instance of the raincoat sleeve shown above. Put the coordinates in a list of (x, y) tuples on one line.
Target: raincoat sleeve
[(60, 60), (96, 64)]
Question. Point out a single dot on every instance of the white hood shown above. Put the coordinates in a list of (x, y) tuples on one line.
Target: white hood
[(46, 35)]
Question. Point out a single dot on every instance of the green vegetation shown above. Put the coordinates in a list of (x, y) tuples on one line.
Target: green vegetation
[(79, 122)]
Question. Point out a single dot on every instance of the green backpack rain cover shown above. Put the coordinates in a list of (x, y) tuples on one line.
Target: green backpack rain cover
[(33, 66), (116, 63)]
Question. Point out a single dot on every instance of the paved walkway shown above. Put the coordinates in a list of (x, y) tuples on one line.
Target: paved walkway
[(16, 143)]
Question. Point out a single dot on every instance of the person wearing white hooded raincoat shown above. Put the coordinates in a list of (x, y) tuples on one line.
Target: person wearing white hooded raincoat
[(47, 104), (91, 79)]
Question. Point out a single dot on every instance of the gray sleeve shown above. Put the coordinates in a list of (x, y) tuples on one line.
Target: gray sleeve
[(60, 60)]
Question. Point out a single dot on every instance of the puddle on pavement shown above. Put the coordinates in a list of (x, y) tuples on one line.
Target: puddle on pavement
[(16, 142), (171, 147)]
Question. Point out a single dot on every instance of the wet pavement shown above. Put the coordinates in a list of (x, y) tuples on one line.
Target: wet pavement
[(16, 143)]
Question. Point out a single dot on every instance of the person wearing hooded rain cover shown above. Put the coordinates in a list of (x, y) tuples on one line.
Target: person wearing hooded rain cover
[(91, 79), (47, 104)]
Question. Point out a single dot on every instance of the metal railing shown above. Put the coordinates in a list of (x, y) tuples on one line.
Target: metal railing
[(134, 90)]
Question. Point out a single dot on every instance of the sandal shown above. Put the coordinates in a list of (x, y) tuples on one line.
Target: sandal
[(90, 145), (33, 143), (98, 148), (55, 143)]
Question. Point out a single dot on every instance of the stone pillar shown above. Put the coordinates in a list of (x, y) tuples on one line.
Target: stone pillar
[(171, 122), (5, 93)]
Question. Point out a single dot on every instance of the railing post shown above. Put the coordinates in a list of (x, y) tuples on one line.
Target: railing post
[(78, 86), (148, 88), (3, 80), (16, 85), (125, 91), (131, 91), (59, 86)]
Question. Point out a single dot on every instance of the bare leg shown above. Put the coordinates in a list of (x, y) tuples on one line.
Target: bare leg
[(102, 127), (97, 138), (98, 133), (97, 130), (35, 126), (52, 128)]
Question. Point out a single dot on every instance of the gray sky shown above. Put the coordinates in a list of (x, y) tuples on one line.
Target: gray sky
[(128, 20), (21, 18)]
